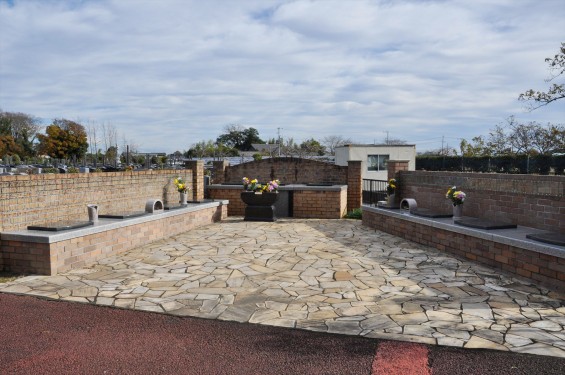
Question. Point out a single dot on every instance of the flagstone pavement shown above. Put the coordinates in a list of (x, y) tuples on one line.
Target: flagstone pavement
[(335, 276)]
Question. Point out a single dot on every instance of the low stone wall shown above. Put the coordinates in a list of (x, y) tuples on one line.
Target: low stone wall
[(308, 201), (311, 204), (542, 263), (528, 200), (288, 170), (39, 199), (294, 171), (46, 253), (231, 194)]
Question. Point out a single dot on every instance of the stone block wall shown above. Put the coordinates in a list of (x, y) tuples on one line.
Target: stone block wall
[(545, 269), (21, 256), (311, 204), (395, 166), (287, 170), (320, 204), (354, 185), (44, 198), (291, 171), (219, 172), (529, 200), (236, 206), (197, 168)]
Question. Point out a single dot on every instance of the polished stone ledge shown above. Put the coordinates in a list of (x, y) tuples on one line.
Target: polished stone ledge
[(103, 225), (512, 237), (292, 187)]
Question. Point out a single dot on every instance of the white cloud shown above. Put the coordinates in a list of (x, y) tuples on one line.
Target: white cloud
[(170, 73)]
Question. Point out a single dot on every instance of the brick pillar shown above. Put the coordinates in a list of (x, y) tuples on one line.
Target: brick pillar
[(197, 167), (2, 266), (354, 185), (395, 166), (219, 171)]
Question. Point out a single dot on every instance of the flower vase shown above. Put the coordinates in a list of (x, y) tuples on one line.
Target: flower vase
[(390, 200), (457, 211), (183, 199)]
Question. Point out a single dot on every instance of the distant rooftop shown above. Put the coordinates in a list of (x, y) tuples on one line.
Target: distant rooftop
[(268, 147), (377, 145)]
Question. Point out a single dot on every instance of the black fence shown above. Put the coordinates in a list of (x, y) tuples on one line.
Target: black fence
[(522, 164), (374, 191)]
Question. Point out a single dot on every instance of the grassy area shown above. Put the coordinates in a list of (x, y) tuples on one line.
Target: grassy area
[(355, 214), (7, 276)]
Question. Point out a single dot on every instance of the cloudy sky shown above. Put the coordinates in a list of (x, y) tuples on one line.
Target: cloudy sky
[(169, 73)]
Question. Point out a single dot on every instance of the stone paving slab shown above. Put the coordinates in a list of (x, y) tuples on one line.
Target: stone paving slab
[(334, 276)]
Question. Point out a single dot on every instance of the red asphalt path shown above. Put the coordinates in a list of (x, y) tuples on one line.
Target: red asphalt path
[(52, 337), (396, 357)]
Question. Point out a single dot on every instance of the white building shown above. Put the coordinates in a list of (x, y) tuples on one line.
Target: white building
[(374, 158)]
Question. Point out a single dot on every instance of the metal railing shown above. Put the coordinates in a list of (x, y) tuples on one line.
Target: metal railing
[(374, 191)]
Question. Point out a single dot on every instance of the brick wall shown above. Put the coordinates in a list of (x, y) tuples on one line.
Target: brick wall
[(354, 185), (236, 206), (44, 198), (48, 259), (291, 171), (197, 168), (219, 172), (287, 170), (528, 200), (321, 204), (310, 204), (545, 269), (395, 166)]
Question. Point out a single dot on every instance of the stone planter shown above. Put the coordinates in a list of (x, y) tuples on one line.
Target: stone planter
[(259, 206)]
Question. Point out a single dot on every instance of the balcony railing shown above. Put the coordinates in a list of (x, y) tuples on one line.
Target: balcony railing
[(374, 191)]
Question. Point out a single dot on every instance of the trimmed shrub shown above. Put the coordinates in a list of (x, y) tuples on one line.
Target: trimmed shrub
[(539, 164)]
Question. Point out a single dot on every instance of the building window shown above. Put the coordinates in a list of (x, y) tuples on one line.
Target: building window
[(377, 162)]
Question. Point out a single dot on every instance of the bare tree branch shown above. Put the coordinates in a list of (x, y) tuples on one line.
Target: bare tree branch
[(555, 91)]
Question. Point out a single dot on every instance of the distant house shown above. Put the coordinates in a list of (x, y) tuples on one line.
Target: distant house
[(374, 158)]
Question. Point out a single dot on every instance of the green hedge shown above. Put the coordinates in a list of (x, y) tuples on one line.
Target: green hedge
[(541, 164)]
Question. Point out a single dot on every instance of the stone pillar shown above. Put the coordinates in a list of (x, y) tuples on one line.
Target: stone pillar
[(354, 185), (197, 167), (219, 171), (395, 166)]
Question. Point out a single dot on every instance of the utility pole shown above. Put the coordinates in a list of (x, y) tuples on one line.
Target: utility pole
[(279, 137), (387, 137), (442, 145), (443, 155)]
